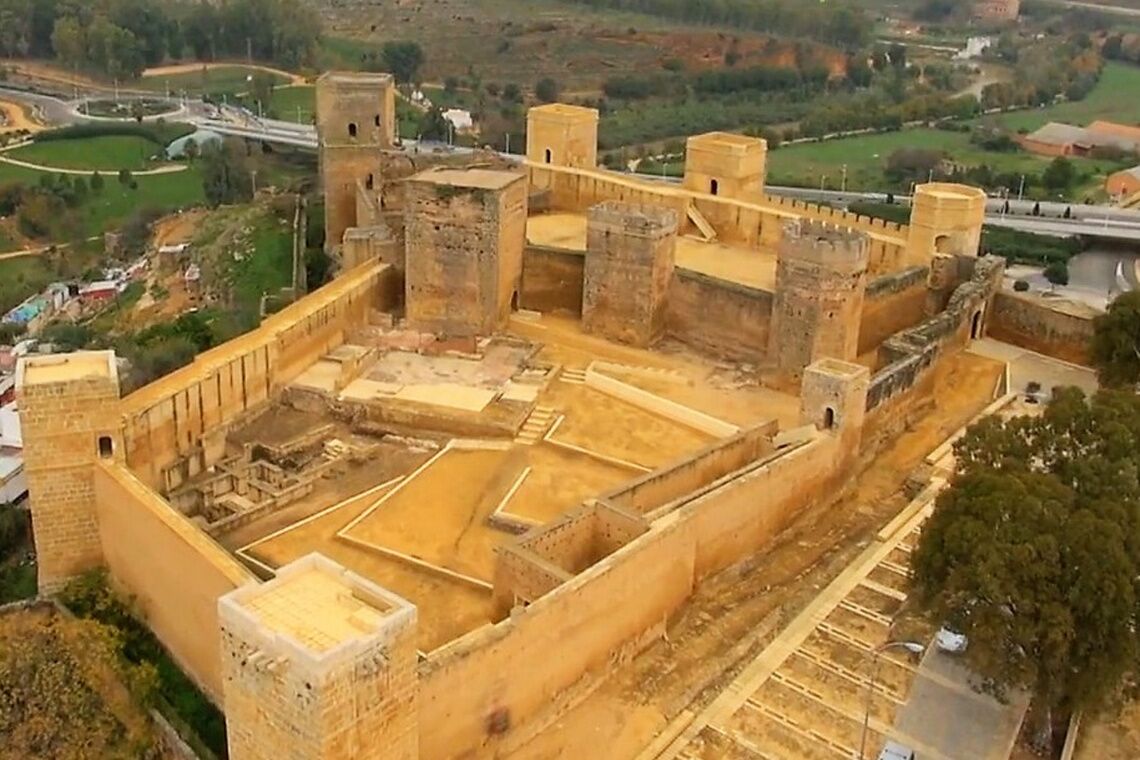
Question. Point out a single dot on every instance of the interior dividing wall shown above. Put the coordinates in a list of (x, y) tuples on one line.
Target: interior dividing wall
[(720, 317), (171, 570), (182, 418), (552, 279), (605, 614)]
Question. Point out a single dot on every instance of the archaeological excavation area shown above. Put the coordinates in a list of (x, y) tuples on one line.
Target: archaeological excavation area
[(432, 508)]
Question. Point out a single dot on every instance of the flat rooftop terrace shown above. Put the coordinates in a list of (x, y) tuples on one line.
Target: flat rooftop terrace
[(751, 267), (429, 533), (62, 368)]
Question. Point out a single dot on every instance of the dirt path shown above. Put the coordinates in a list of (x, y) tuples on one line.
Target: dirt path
[(190, 68), (735, 614), (16, 118)]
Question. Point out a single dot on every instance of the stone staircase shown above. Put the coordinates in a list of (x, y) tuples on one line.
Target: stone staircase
[(573, 376), (708, 232), (535, 426)]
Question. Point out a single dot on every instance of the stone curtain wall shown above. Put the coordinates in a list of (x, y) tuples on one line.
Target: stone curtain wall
[(172, 571), (1043, 327), (891, 304)]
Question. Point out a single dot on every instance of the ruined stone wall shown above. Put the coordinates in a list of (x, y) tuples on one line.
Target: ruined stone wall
[(552, 279), (63, 416), (629, 264), (723, 318), (170, 569), (821, 276), (464, 253), (892, 303), (1040, 326), (175, 427)]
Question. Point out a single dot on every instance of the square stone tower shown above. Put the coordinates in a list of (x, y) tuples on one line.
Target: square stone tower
[(562, 135), (319, 663), (833, 397), (630, 251), (821, 277), (465, 230), (722, 163), (68, 406), (356, 119)]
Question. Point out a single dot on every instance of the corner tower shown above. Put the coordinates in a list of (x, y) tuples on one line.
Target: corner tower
[(833, 398), (68, 407), (630, 252), (821, 277), (356, 119), (945, 218), (562, 135), (319, 663), (727, 164)]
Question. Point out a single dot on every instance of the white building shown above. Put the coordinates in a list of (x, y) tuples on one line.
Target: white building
[(13, 484)]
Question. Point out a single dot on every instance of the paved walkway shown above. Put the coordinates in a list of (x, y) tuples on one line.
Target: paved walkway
[(168, 169)]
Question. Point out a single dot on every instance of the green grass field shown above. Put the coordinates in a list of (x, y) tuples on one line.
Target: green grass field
[(106, 210), (106, 154), (20, 278), (214, 81), (294, 103), (1116, 97), (865, 158)]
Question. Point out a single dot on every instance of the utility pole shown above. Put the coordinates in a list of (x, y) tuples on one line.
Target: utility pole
[(844, 185), (249, 50), (508, 143), (1021, 188), (822, 180)]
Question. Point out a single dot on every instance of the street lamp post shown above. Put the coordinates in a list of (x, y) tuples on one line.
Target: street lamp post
[(910, 646), (843, 187)]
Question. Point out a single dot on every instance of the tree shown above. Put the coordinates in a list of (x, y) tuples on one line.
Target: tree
[(1059, 174), (261, 88), (96, 182), (1057, 273), (1116, 342), (1034, 551), (125, 177), (512, 93), (191, 149), (226, 175), (434, 126), (547, 90), (403, 60)]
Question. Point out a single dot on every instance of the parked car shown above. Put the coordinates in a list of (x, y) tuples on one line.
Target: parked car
[(896, 751), (950, 641)]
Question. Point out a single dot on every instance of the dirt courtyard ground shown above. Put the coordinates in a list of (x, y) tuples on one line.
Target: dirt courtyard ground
[(735, 614)]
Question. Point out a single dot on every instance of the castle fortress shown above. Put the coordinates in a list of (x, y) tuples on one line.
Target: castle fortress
[(425, 510)]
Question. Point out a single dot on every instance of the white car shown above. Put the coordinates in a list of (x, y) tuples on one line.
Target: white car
[(950, 641)]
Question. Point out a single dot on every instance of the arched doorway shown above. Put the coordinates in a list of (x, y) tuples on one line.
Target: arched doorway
[(976, 325), (548, 155), (943, 244), (714, 186), (828, 418), (352, 129), (515, 301)]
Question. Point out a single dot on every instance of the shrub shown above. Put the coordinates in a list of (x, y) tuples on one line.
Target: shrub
[(1021, 286)]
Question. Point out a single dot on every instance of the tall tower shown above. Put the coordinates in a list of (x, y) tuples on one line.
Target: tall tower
[(356, 119), (821, 276), (945, 218), (562, 135), (68, 407), (727, 164), (630, 252), (465, 230), (320, 664)]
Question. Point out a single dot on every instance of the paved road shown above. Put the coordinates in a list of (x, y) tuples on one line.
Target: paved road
[(1105, 7)]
